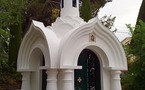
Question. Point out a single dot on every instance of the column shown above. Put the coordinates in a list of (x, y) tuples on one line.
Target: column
[(116, 85), (26, 81), (51, 79), (66, 80)]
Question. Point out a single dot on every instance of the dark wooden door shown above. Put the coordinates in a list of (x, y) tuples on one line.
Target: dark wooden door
[(88, 78)]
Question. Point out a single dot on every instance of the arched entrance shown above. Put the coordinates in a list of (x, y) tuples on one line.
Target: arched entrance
[(88, 78), (38, 75)]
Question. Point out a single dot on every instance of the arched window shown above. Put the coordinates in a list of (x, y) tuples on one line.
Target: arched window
[(74, 3), (88, 78)]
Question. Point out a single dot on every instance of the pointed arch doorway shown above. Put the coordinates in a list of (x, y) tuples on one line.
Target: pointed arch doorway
[(38, 75), (88, 78)]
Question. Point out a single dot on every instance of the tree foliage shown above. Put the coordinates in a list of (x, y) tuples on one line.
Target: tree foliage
[(134, 79), (10, 19), (10, 38), (90, 8), (108, 21), (96, 5), (45, 11), (10, 12), (86, 10), (4, 42)]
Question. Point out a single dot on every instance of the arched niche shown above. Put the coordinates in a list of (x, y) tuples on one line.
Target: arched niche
[(103, 43), (35, 38), (34, 58), (38, 76)]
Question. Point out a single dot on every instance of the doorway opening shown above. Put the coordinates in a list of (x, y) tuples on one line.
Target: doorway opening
[(88, 78), (43, 75)]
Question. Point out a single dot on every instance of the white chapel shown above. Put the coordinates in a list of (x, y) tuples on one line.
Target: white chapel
[(71, 54)]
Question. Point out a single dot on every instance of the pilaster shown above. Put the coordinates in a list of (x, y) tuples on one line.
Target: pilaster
[(67, 80), (26, 81), (116, 85), (51, 79)]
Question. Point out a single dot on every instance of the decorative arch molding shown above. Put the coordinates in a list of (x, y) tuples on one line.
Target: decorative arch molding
[(36, 41), (105, 45)]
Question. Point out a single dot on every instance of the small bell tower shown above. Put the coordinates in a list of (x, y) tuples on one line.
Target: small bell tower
[(69, 8)]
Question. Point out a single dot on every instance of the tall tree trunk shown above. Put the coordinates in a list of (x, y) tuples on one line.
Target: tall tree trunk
[(141, 15), (15, 40), (16, 36)]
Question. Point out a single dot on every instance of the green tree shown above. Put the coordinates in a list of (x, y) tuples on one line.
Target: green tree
[(86, 10), (108, 21), (15, 30), (90, 8), (10, 38), (96, 5), (45, 11), (134, 79), (4, 42)]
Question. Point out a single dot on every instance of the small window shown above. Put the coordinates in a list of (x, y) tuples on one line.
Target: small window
[(74, 3), (62, 3)]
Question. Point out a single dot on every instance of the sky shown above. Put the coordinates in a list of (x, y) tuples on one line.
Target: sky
[(126, 12)]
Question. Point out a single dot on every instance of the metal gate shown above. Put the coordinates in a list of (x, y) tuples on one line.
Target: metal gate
[(88, 78)]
